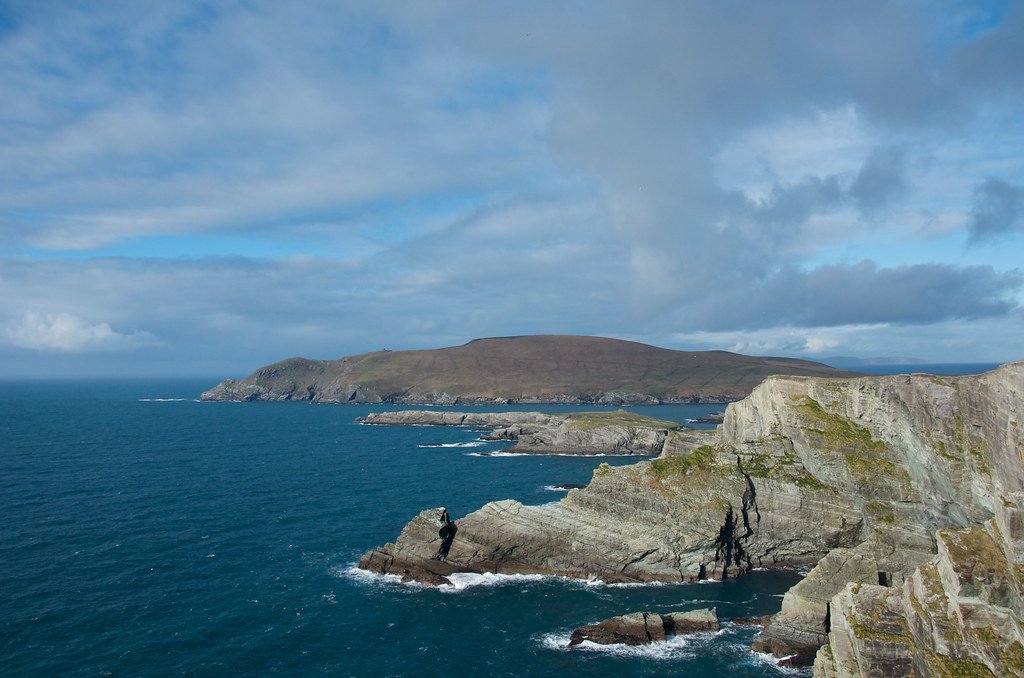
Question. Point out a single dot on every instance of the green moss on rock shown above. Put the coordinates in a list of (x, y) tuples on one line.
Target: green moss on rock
[(880, 512), (1012, 658), (950, 667), (683, 464), (592, 420), (868, 459)]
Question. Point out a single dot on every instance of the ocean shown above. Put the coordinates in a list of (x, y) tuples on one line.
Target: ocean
[(145, 533)]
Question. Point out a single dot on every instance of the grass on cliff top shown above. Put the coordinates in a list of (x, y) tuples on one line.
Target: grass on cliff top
[(683, 464), (974, 547), (589, 420)]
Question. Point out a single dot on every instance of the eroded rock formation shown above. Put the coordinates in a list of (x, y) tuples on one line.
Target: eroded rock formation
[(877, 481)]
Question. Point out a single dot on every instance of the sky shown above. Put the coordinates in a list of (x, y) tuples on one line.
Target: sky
[(198, 189)]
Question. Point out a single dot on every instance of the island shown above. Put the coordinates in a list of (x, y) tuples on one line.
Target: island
[(904, 495), (527, 369)]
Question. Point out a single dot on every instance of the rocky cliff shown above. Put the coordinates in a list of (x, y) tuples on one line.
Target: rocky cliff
[(531, 369), (582, 433), (892, 487)]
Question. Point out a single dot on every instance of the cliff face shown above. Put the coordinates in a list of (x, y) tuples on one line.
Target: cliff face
[(531, 369), (959, 614), (857, 476), (917, 453)]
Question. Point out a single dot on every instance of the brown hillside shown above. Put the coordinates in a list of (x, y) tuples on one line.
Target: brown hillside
[(534, 368)]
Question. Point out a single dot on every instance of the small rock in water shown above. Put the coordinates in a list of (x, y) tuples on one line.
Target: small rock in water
[(641, 628)]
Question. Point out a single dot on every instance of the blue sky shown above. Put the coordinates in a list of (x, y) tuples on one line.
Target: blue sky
[(202, 188)]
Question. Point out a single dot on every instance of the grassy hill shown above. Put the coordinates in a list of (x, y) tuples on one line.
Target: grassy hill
[(545, 368)]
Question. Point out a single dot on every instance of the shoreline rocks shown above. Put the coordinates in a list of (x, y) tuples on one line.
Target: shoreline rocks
[(577, 433)]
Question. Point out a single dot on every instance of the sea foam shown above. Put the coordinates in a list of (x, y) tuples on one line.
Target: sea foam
[(673, 648)]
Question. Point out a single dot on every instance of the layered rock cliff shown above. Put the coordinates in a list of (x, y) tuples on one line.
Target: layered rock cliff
[(865, 478), (530, 369)]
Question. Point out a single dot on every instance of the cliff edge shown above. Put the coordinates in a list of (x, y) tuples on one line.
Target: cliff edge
[(900, 490)]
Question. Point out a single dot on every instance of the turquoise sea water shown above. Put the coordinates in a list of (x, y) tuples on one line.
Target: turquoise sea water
[(145, 533)]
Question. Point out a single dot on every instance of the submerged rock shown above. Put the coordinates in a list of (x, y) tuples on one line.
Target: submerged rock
[(641, 628), (762, 620)]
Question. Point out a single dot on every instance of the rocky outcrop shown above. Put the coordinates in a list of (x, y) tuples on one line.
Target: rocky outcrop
[(920, 453), (582, 433), (420, 552), (448, 418), (643, 628), (959, 614), (531, 369), (869, 479)]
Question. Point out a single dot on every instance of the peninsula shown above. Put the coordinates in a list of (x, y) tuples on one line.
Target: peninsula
[(575, 433), (527, 369), (904, 493)]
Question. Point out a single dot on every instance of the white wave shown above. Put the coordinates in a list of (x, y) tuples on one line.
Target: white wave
[(474, 443), (362, 576), (559, 454), (773, 661), (467, 580), (461, 581), (162, 400), (634, 584), (556, 488), (674, 648)]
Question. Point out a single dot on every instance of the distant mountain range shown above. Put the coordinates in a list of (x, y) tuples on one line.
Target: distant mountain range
[(526, 369), (849, 361)]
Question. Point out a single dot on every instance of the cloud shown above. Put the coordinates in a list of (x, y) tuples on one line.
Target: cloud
[(177, 120), (998, 210), (69, 333), (452, 170), (881, 180)]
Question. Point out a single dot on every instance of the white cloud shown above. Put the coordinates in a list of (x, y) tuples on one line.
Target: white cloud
[(71, 334), (456, 173)]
